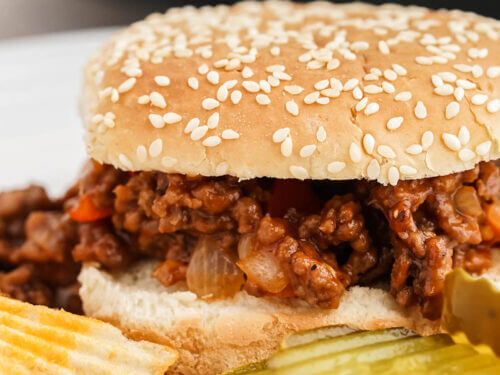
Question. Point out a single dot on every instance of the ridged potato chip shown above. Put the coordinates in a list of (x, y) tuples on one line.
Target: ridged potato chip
[(39, 340)]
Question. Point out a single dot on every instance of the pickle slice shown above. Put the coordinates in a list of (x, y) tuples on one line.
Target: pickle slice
[(305, 337), (472, 306), (330, 363), (249, 368), (462, 365), (422, 360), (304, 352)]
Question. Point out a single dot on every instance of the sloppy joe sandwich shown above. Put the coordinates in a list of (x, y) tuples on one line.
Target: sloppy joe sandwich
[(262, 168)]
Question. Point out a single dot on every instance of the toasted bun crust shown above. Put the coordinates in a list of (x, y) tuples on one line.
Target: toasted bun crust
[(214, 336), (395, 92)]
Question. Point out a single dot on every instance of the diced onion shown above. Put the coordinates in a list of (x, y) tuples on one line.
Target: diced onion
[(212, 271), (467, 201)]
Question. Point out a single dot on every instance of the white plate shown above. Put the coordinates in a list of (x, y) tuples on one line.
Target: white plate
[(40, 128)]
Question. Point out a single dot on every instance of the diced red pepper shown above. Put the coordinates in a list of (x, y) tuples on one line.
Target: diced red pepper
[(292, 193), (86, 211)]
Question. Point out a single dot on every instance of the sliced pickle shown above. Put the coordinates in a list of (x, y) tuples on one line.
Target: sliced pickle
[(422, 360), (304, 352), (472, 306), (459, 366), (346, 359), (249, 368), (306, 337)]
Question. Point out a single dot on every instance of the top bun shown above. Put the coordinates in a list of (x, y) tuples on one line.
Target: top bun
[(288, 90)]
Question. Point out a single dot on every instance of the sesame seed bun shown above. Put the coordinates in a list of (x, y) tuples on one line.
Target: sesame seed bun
[(287, 90)]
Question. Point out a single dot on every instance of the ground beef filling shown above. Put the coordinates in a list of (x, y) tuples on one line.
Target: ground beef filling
[(287, 238)]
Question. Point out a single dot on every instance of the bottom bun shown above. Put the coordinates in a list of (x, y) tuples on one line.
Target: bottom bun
[(214, 336)]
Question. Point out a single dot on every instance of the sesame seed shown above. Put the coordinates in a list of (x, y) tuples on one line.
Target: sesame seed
[(274, 82), (172, 118), (321, 134), (263, 99), (127, 85), (157, 99), (444, 90), (230, 84), (306, 57), (292, 108), (371, 109), (423, 60), (466, 154), (287, 147), (275, 51), (299, 172), (222, 93), (275, 68), (479, 99), (280, 135), (373, 169), (209, 104), (162, 80), (407, 170), (371, 77), (351, 84), (193, 83), (368, 143), (330, 93), (311, 98), (464, 135), (251, 86), (390, 75), (335, 167), (293, 90), (211, 141), (333, 64), (157, 121), (213, 77), (464, 68), (360, 46), (357, 93), (372, 89), (199, 132), (388, 87), (420, 110), (265, 86), (393, 176), (315, 64), (191, 125), (155, 148), (466, 84), (493, 72), (213, 120), (399, 69), (220, 64), (383, 47), (168, 161), (483, 148), (203, 69), (230, 134), (448, 76), (386, 152), (459, 94), (477, 71), (282, 76), (394, 123), (233, 64), (236, 96), (414, 149), (125, 161), (114, 95), (451, 141), (403, 96), (452, 110), (247, 72), (321, 85), (141, 153), (493, 106), (427, 140), (437, 81), (143, 99), (355, 153), (361, 104), (323, 100), (336, 84), (307, 151)]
